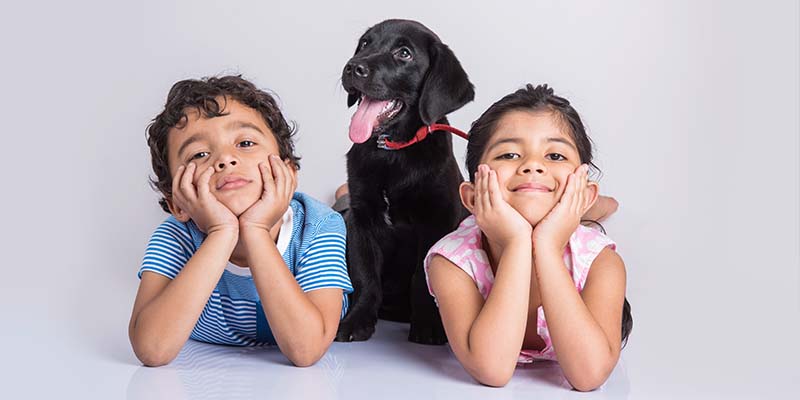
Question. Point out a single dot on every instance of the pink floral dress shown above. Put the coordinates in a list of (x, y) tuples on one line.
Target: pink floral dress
[(463, 248)]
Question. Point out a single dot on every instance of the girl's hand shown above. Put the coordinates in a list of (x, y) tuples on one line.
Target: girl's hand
[(279, 186), (500, 222), (555, 229), (197, 201)]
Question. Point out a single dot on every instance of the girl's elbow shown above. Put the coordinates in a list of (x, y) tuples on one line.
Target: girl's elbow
[(492, 376), (587, 385), (590, 379)]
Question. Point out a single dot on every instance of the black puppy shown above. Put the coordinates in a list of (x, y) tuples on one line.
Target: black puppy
[(401, 200)]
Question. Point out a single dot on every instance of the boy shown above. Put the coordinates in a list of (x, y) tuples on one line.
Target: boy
[(243, 259)]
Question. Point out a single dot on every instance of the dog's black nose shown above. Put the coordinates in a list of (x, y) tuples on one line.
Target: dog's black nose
[(361, 70)]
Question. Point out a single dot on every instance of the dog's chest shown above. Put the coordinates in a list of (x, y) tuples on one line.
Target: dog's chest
[(387, 203)]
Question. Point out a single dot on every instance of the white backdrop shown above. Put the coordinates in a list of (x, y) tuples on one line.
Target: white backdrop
[(693, 106)]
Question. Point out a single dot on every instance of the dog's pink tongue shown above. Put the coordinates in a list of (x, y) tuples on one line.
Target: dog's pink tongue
[(364, 119)]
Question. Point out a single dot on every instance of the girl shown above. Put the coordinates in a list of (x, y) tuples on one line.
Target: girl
[(523, 253)]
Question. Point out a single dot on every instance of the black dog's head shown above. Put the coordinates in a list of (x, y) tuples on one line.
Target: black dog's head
[(403, 77)]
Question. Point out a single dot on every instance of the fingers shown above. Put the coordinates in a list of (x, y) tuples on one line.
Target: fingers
[(283, 181), (203, 189), (267, 178), (176, 185), (481, 190), (583, 183), (186, 187), (494, 189)]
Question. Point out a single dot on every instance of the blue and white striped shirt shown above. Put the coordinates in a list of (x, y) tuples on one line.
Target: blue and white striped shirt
[(314, 253)]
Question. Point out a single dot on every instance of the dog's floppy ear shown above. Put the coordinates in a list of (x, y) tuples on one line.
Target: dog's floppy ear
[(447, 87)]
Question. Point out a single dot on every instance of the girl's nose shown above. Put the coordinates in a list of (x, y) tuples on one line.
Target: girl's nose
[(531, 166), (538, 170)]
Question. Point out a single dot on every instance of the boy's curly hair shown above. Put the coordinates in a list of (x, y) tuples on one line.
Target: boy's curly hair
[(202, 95)]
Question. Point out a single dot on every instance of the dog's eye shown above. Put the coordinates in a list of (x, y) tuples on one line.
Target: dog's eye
[(403, 53), (363, 44)]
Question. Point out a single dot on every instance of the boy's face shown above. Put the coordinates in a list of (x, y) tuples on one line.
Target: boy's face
[(233, 144)]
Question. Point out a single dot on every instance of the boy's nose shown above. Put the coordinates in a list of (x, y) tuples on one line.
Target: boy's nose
[(224, 164)]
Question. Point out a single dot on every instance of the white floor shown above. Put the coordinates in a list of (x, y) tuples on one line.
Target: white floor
[(100, 365)]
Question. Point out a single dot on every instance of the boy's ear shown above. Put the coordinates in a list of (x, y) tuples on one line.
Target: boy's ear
[(292, 168), (176, 211), (467, 193), (591, 193)]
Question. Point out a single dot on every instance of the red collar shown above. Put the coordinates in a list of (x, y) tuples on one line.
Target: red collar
[(386, 144)]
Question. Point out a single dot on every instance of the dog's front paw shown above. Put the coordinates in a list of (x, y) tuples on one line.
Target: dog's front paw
[(355, 330), (427, 334)]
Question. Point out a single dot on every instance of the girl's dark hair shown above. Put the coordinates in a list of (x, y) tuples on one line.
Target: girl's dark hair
[(204, 95), (536, 99)]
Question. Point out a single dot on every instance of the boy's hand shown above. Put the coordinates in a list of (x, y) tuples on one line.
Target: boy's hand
[(279, 186), (203, 207), (500, 222), (555, 229)]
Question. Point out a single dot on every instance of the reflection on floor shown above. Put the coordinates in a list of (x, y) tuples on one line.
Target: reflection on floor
[(386, 366)]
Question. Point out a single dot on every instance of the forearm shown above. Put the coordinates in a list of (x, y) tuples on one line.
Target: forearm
[(582, 347), (491, 348), (163, 325), (296, 323)]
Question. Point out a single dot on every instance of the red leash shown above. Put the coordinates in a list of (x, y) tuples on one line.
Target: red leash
[(422, 133)]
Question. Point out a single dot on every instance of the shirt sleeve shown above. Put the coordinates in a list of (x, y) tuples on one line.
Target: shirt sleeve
[(168, 249), (322, 264)]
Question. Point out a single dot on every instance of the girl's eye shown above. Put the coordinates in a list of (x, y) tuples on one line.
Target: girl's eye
[(508, 156), (556, 157), (403, 53), (247, 143), (199, 155)]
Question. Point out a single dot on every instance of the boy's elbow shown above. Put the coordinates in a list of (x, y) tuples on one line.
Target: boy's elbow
[(303, 361), (303, 357), (155, 358), (154, 355)]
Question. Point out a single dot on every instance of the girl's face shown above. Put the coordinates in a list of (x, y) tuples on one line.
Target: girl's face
[(533, 155)]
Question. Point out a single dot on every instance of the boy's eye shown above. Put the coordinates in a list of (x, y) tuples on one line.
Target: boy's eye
[(556, 157), (508, 156), (247, 143), (199, 155)]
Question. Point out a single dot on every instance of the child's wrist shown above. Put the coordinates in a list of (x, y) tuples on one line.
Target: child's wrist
[(255, 233), (228, 234), (547, 250), (516, 242)]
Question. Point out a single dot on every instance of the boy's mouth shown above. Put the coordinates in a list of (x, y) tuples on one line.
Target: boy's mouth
[(232, 182)]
